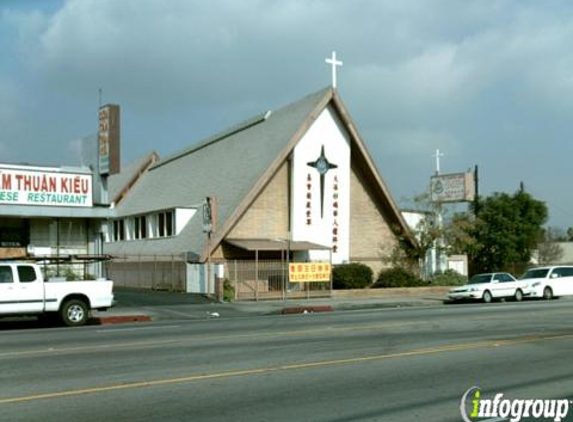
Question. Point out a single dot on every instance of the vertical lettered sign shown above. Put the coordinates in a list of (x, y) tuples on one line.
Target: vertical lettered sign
[(108, 139)]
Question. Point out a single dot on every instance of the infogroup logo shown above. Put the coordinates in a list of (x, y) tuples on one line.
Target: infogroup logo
[(474, 407)]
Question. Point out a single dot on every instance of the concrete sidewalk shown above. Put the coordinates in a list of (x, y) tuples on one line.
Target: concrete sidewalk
[(133, 305)]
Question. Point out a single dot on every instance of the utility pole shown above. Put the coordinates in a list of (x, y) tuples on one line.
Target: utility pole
[(440, 260), (476, 187), (207, 228)]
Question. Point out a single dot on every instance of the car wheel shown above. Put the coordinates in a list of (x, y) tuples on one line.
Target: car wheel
[(547, 293), (518, 295), (74, 313), (487, 296)]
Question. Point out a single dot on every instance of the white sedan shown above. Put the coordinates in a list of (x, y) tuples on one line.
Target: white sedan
[(491, 286)]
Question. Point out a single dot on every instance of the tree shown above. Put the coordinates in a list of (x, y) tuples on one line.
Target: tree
[(505, 231), (502, 236), (412, 249), (548, 249), (459, 233)]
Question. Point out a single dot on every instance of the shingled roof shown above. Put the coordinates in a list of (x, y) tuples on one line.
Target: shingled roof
[(233, 166), (121, 183)]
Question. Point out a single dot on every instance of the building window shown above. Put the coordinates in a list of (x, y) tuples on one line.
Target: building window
[(165, 226), (140, 227), (118, 230), (14, 233)]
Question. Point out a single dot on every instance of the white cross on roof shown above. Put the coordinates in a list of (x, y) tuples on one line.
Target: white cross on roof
[(333, 62)]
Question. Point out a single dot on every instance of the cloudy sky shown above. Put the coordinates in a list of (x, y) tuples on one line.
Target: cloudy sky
[(489, 83)]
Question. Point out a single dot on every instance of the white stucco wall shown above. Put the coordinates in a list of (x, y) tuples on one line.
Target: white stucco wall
[(331, 226)]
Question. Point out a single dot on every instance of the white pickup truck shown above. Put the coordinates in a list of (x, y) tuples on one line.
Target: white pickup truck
[(23, 291)]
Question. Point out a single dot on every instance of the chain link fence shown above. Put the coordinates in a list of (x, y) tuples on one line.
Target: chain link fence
[(249, 279)]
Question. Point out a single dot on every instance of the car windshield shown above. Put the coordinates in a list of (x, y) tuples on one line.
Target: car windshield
[(538, 273), (480, 278)]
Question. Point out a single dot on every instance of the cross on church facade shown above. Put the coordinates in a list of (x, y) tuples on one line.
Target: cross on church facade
[(322, 165), (334, 63)]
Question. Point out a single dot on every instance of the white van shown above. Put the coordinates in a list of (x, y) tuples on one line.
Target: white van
[(549, 282)]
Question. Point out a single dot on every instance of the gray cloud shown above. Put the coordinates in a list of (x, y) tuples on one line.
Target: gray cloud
[(487, 82)]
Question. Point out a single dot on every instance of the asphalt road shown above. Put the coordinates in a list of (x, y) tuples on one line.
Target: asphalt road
[(369, 365)]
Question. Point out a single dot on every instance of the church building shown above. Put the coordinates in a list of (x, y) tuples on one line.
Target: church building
[(295, 184)]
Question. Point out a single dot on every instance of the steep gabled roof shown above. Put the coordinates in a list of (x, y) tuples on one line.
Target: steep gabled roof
[(358, 151), (234, 166), (229, 166), (120, 184)]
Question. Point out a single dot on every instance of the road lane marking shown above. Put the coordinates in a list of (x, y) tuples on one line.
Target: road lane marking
[(194, 339), (291, 367), (268, 334), (123, 330), (87, 348)]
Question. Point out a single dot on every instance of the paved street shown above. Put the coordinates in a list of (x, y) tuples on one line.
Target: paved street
[(365, 365), (161, 305)]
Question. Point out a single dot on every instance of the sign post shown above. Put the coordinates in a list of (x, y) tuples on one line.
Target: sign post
[(209, 226), (450, 188)]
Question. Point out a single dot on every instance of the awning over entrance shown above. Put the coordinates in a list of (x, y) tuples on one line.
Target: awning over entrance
[(274, 245)]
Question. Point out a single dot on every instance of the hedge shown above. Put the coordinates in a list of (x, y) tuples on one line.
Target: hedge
[(398, 277), (448, 278), (351, 276)]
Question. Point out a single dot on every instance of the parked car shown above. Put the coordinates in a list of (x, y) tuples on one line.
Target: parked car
[(549, 282), (491, 286)]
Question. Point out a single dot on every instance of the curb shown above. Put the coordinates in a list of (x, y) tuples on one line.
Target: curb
[(306, 309), (119, 319)]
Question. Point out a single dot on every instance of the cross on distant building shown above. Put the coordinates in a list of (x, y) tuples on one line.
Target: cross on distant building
[(438, 155), (333, 62)]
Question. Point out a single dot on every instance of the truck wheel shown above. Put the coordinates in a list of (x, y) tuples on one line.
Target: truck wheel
[(74, 312)]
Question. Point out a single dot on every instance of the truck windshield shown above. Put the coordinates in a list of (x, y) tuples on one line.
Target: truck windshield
[(539, 273)]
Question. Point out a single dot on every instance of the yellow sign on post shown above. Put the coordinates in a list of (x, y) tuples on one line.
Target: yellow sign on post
[(309, 272)]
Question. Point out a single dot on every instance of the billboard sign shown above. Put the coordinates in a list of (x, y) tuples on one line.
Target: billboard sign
[(458, 187), (47, 188), (305, 272)]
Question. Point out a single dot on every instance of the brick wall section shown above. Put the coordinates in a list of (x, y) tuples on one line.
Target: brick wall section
[(370, 235), (267, 217), (371, 238), (435, 291)]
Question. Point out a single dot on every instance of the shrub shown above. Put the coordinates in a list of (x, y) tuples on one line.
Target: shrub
[(398, 277), (448, 278), (228, 291), (70, 275), (351, 276)]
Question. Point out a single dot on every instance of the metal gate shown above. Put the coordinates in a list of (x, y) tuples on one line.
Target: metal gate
[(268, 280)]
